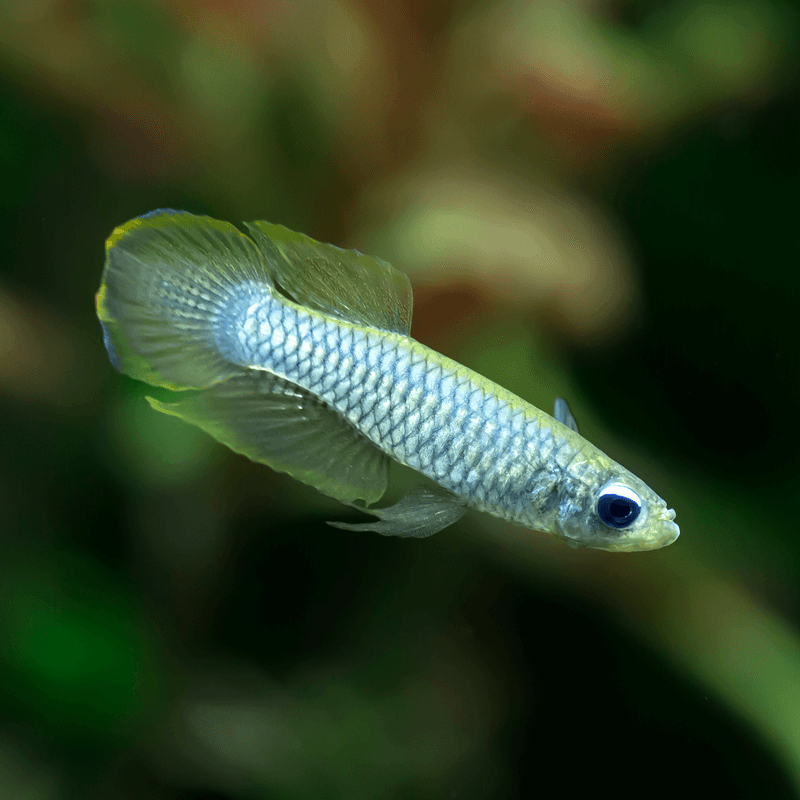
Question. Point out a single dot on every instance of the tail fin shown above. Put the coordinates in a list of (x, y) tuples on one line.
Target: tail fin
[(169, 284)]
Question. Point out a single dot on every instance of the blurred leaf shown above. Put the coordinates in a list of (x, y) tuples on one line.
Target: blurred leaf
[(75, 655), (141, 32)]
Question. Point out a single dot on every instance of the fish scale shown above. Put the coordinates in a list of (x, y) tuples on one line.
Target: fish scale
[(480, 447), (298, 355)]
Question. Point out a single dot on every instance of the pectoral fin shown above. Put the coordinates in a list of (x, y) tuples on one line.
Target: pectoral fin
[(562, 413), (420, 513)]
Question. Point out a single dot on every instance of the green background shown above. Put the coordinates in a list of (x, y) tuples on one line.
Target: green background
[(592, 199)]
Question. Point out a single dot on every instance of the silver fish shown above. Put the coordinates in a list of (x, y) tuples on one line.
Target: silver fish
[(298, 355)]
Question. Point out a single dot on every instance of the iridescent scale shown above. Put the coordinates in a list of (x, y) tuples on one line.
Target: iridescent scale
[(432, 414)]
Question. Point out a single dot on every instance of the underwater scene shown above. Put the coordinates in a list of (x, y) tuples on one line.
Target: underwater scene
[(399, 399)]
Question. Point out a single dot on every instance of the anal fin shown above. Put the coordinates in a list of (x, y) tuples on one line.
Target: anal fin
[(275, 422)]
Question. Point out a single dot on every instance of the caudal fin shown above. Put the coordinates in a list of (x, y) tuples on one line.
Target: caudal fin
[(169, 283)]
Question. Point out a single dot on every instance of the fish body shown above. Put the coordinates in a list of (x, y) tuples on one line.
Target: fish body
[(300, 357), (426, 411)]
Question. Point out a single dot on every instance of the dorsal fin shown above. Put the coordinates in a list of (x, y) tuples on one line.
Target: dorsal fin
[(345, 283)]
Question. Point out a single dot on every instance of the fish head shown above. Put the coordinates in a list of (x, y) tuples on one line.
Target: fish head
[(612, 509)]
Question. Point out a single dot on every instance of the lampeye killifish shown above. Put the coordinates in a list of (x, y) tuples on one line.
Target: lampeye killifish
[(298, 355)]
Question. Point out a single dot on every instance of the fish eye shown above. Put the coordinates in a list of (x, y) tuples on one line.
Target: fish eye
[(618, 506)]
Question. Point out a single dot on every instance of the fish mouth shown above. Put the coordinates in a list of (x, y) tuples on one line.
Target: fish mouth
[(670, 529), (664, 532)]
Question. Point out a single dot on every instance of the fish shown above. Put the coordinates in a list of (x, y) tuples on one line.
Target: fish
[(298, 355)]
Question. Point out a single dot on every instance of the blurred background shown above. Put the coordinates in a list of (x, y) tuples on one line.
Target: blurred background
[(593, 198)]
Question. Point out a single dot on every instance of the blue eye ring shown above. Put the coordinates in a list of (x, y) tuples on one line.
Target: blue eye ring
[(618, 505)]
